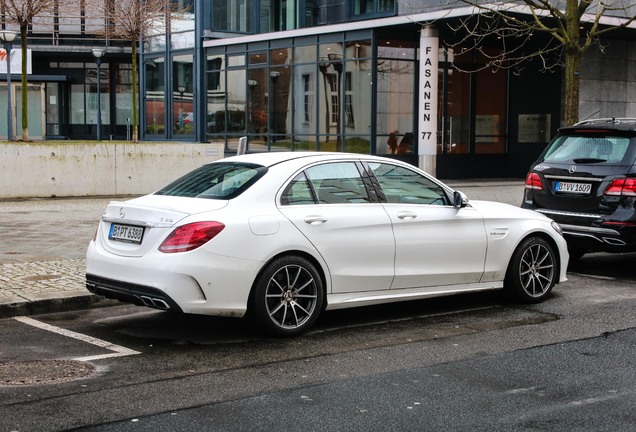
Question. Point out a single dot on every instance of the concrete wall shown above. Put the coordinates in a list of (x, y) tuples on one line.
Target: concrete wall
[(58, 168), (608, 81)]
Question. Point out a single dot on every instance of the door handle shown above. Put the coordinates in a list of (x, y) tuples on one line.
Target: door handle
[(406, 215), (315, 220)]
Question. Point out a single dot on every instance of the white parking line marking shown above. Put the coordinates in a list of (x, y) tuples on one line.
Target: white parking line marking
[(118, 351)]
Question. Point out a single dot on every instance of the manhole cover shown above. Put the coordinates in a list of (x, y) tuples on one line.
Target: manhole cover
[(42, 372)]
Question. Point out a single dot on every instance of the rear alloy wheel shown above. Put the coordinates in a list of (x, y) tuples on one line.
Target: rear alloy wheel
[(288, 296), (532, 271)]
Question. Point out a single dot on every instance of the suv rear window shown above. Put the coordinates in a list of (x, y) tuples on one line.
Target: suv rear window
[(591, 149), (224, 180)]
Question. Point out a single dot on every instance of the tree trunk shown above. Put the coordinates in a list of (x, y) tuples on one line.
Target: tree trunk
[(571, 84), (25, 108), (572, 53)]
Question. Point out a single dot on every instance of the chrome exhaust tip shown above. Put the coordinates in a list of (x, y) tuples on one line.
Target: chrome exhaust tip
[(614, 241), (160, 304), (147, 301)]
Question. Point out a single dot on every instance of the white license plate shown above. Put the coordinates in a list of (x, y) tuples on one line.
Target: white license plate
[(126, 233), (575, 188)]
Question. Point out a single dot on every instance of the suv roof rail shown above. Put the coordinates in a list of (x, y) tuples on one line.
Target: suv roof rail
[(612, 120)]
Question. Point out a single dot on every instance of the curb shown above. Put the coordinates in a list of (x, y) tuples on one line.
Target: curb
[(53, 305)]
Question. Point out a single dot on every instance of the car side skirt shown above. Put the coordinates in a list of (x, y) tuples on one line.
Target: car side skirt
[(349, 300)]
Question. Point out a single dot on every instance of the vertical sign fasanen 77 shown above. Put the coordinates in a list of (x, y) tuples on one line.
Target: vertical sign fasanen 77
[(428, 91)]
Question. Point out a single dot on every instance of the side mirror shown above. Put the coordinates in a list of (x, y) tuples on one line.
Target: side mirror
[(459, 199)]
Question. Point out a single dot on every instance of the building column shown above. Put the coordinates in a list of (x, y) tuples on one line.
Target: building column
[(428, 97)]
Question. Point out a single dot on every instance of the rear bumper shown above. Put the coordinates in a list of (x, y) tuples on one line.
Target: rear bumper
[(599, 238), (131, 293), (583, 230)]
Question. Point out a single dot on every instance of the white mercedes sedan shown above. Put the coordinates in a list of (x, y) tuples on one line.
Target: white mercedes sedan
[(281, 237)]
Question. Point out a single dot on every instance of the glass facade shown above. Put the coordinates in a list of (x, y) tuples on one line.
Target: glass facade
[(155, 96), (222, 69), (307, 94), (182, 95), (475, 113), (396, 71), (337, 90)]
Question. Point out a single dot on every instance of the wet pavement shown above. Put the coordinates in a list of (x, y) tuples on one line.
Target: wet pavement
[(43, 243)]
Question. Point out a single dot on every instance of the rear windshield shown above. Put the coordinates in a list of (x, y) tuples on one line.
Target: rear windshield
[(224, 180), (587, 149)]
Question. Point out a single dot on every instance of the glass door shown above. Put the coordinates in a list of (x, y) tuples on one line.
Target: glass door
[(53, 109), (35, 104)]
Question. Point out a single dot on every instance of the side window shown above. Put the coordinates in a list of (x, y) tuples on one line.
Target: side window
[(403, 186), (298, 192), (337, 183)]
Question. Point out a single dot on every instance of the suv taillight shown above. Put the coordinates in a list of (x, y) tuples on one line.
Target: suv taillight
[(533, 181), (622, 187), (190, 236)]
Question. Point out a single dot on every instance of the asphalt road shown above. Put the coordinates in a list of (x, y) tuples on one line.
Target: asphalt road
[(466, 363)]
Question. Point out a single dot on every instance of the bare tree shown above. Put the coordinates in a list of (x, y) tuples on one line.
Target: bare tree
[(133, 21), (21, 13), (571, 27)]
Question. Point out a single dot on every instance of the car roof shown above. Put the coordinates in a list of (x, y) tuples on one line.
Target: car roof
[(272, 158), (616, 124)]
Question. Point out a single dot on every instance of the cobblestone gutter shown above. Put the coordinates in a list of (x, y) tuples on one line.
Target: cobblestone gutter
[(34, 287)]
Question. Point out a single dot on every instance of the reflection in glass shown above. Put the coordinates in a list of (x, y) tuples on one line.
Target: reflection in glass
[(490, 132), (182, 40), (233, 15), (284, 99), (395, 93), (103, 87), (182, 95), (236, 107), (280, 118), (258, 111), (155, 96), (123, 94), (305, 54), (156, 43), (458, 127), (215, 100), (370, 7)]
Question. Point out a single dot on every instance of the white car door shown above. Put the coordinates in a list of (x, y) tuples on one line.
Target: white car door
[(436, 243), (329, 204)]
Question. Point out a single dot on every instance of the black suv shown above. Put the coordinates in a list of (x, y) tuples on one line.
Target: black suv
[(586, 181)]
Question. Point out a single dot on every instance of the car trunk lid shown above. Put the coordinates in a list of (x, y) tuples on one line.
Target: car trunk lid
[(133, 228)]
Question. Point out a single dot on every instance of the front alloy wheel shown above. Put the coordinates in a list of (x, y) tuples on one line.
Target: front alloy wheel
[(532, 271), (288, 296)]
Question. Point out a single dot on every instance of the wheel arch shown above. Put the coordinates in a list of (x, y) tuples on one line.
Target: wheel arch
[(548, 238), (295, 252)]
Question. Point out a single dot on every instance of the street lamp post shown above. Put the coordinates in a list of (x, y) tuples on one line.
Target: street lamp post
[(99, 53), (8, 36)]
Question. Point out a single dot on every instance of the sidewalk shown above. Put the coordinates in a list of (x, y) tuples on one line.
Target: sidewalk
[(43, 242)]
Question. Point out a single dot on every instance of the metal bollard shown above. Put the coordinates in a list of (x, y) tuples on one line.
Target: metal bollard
[(242, 146)]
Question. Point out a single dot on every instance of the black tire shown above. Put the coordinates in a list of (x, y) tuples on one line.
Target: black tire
[(288, 297), (533, 270)]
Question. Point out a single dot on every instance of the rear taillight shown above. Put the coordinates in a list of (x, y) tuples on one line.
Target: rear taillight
[(190, 236), (533, 181), (622, 187)]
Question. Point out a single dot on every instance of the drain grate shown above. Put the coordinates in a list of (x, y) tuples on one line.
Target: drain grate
[(36, 372)]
